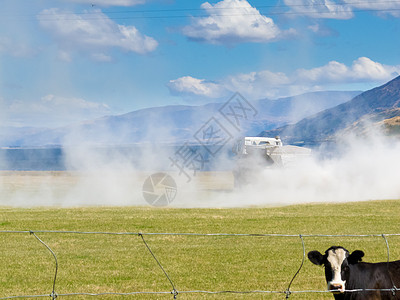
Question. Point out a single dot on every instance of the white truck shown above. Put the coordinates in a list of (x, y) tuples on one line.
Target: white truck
[(254, 154)]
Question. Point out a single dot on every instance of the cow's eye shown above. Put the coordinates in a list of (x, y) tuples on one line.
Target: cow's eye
[(346, 268)]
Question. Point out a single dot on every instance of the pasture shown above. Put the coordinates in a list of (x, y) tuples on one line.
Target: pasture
[(100, 263)]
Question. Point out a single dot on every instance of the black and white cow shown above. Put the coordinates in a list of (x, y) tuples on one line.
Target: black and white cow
[(345, 272)]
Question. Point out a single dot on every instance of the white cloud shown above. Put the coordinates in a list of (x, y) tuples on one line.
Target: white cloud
[(257, 84), (194, 86), (321, 30), (267, 84), (379, 6), (362, 69), (343, 9), (53, 110), (365, 68), (97, 33), (320, 9), (231, 22)]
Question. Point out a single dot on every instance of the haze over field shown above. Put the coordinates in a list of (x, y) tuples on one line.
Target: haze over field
[(361, 169), (93, 76)]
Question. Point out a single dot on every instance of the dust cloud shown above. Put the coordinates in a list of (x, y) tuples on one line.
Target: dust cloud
[(357, 169)]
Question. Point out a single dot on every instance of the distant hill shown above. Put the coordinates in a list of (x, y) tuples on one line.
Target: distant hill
[(377, 107), (174, 123)]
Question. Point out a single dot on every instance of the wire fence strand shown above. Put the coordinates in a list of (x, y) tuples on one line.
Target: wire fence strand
[(175, 291)]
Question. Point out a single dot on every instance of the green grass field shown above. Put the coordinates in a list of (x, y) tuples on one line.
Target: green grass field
[(98, 263)]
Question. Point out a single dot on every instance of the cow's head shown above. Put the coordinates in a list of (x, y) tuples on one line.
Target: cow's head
[(337, 262)]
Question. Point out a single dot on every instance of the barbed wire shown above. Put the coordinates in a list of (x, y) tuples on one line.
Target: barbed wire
[(175, 292)]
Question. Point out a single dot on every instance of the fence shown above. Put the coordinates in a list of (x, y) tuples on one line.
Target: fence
[(174, 291)]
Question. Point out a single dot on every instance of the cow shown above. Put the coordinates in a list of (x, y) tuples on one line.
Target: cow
[(350, 278)]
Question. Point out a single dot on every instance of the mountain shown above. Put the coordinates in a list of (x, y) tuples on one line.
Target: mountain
[(378, 106), (175, 123)]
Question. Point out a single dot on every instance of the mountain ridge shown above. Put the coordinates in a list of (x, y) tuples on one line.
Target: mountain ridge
[(376, 104), (173, 123)]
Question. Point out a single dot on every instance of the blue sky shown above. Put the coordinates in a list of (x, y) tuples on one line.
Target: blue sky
[(68, 61)]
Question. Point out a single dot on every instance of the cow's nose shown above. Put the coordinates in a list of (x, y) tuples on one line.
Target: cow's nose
[(336, 287)]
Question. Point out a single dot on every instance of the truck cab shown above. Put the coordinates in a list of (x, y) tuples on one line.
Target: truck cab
[(254, 154)]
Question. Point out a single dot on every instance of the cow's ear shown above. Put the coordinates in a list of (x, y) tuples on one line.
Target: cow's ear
[(316, 257), (355, 257)]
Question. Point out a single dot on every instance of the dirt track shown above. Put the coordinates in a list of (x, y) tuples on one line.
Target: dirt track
[(12, 180), (97, 188)]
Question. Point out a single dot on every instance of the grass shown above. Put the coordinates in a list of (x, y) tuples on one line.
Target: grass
[(122, 263)]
